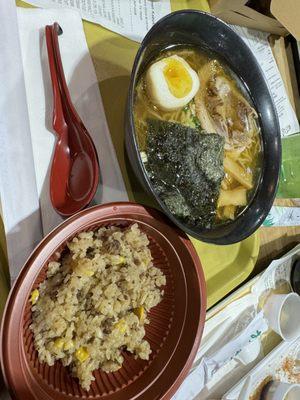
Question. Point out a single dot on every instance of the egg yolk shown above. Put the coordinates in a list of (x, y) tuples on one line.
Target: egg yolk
[(178, 79)]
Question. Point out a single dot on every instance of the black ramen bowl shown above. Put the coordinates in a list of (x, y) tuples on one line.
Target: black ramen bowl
[(195, 28)]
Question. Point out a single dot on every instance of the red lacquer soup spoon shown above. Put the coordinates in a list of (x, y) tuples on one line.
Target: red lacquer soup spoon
[(75, 168)]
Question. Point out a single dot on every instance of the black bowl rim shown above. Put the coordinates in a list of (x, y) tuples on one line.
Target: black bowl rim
[(190, 231)]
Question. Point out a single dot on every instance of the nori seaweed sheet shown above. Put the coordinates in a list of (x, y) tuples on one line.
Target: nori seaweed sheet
[(185, 167)]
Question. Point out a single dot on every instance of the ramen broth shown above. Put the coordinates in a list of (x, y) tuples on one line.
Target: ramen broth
[(221, 106)]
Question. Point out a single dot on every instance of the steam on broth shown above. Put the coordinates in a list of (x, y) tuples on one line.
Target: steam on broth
[(198, 136)]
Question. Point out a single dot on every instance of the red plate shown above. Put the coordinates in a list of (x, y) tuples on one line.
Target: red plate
[(174, 332)]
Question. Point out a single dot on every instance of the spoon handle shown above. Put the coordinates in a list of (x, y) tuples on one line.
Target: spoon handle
[(59, 123), (55, 31), (73, 123)]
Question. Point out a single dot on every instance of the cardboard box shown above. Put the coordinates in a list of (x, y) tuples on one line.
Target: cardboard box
[(275, 16), (282, 52)]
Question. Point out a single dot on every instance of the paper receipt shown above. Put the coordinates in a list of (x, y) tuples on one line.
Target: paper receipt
[(259, 44), (129, 18)]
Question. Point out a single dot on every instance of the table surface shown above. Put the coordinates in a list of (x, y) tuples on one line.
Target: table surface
[(113, 56), (274, 242)]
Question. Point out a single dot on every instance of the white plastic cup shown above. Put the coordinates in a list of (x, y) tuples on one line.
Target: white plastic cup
[(282, 312), (282, 391)]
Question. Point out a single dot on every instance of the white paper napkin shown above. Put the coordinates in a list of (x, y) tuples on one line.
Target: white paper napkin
[(84, 90), (19, 198), (27, 138)]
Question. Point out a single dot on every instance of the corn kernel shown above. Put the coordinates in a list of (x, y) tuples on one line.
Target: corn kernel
[(121, 326), (34, 296), (82, 354), (68, 345), (59, 343), (139, 312), (88, 272), (118, 259)]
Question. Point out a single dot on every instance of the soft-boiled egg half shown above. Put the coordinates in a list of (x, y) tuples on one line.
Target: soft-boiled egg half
[(171, 83)]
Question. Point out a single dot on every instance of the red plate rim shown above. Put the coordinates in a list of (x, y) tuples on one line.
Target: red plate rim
[(85, 217)]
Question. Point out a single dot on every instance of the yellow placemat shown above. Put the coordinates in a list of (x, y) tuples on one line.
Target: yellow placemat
[(113, 55), (226, 267)]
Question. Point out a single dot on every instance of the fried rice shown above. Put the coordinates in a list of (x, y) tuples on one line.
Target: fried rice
[(95, 300)]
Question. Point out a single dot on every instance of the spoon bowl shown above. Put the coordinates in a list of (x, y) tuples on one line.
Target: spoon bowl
[(74, 173)]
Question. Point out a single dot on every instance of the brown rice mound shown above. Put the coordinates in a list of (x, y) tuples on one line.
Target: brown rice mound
[(95, 300)]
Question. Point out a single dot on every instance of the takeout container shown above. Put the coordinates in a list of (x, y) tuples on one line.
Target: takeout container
[(174, 332), (273, 367), (190, 27)]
